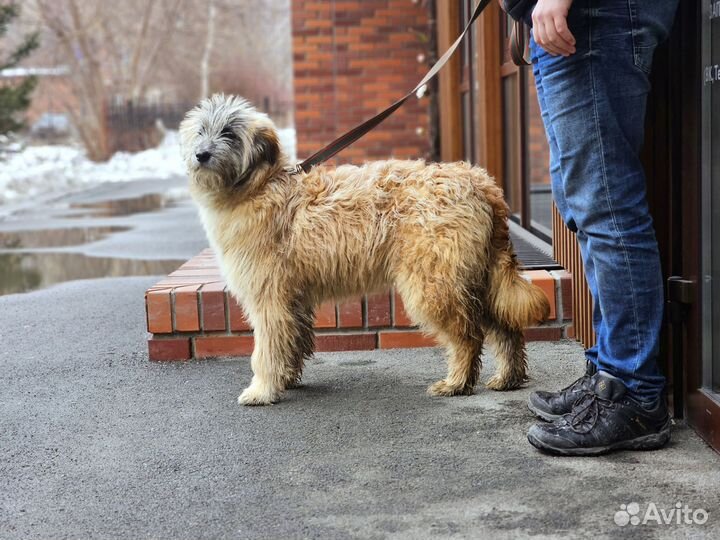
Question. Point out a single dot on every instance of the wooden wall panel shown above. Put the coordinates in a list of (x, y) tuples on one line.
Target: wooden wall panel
[(489, 129), (448, 28), (567, 252)]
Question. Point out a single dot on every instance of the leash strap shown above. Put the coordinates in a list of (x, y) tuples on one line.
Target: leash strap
[(354, 134), (518, 44)]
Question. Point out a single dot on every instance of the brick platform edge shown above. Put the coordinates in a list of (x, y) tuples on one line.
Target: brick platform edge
[(190, 314)]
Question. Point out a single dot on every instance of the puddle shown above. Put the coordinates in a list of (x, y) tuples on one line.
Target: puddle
[(150, 202), (22, 272), (55, 237), (23, 269)]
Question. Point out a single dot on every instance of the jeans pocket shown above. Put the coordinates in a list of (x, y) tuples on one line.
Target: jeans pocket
[(643, 47), (650, 24)]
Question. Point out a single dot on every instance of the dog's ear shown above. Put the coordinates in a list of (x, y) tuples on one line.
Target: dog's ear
[(267, 146)]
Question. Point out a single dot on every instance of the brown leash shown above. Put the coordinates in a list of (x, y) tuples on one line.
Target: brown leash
[(518, 43), (354, 134)]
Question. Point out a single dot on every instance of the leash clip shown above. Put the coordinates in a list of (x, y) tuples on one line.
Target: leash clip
[(295, 169)]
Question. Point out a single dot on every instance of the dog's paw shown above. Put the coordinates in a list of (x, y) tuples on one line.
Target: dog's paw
[(442, 388), (257, 395), (292, 382), (501, 385)]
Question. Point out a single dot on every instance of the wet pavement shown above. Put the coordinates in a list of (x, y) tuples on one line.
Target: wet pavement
[(22, 272), (150, 202), (49, 238), (109, 230), (96, 441)]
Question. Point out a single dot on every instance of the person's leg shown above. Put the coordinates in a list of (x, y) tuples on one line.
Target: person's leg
[(595, 101), (551, 405), (558, 191)]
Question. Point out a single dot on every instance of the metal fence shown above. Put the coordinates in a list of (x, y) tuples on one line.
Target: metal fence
[(132, 127)]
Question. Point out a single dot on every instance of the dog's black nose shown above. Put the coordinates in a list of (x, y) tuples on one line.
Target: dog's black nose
[(203, 157)]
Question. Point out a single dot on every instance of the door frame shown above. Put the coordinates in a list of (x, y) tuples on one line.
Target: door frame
[(703, 404), (673, 161)]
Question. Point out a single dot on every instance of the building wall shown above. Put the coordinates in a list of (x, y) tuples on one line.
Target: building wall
[(351, 59)]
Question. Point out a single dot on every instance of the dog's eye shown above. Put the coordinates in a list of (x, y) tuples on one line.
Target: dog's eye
[(228, 133)]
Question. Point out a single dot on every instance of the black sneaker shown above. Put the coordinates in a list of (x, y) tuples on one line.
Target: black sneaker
[(602, 420), (552, 405)]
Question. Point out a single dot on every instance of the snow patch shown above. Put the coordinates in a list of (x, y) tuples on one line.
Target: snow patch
[(289, 144), (43, 169)]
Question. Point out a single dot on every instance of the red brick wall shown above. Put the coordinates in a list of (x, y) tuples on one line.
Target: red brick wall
[(351, 59)]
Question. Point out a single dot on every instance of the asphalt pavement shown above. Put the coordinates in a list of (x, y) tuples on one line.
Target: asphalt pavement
[(98, 442)]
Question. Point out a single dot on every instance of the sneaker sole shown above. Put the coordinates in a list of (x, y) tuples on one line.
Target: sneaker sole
[(542, 415), (653, 441)]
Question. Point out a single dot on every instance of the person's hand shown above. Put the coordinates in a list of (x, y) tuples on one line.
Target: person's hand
[(550, 29)]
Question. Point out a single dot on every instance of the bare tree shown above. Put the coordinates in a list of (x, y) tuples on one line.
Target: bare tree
[(121, 51), (111, 53), (209, 42)]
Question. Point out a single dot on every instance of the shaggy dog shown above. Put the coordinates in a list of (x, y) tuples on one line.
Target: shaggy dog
[(438, 233)]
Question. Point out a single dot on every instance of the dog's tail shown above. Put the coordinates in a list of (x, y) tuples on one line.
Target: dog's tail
[(514, 300)]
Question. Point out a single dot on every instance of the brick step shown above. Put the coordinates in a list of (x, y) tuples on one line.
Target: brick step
[(190, 314)]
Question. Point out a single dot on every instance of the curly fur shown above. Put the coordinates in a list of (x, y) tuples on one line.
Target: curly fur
[(438, 233)]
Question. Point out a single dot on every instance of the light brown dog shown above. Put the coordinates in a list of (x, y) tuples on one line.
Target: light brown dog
[(438, 233)]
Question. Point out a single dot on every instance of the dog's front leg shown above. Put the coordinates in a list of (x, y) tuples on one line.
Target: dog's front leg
[(273, 359)]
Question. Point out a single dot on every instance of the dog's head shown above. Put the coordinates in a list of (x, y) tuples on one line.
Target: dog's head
[(225, 141)]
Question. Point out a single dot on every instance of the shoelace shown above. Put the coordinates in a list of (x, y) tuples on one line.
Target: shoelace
[(586, 411), (578, 383)]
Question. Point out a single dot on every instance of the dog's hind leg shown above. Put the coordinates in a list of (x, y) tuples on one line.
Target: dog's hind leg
[(281, 343), (463, 366), (441, 311), (509, 345)]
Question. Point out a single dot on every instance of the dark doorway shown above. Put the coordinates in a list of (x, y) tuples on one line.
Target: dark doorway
[(683, 126)]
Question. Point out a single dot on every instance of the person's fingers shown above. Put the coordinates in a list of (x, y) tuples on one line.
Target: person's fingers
[(564, 34), (554, 41), (542, 39), (539, 31)]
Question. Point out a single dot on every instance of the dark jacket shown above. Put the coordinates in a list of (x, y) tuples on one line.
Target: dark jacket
[(517, 9)]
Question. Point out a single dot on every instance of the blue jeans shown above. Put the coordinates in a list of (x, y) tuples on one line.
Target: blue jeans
[(593, 107)]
